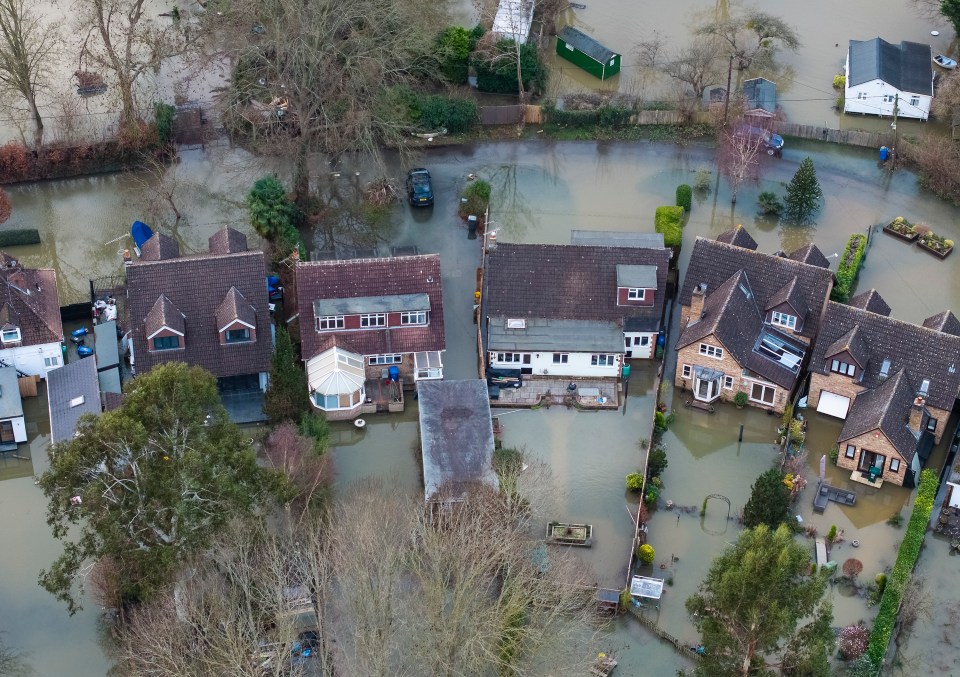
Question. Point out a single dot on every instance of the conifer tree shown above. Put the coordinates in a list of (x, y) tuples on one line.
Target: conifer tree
[(287, 397), (803, 193)]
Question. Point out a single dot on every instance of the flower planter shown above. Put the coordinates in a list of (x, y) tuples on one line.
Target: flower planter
[(936, 252), (906, 237)]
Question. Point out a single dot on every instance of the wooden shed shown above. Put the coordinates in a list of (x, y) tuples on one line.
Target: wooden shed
[(582, 50)]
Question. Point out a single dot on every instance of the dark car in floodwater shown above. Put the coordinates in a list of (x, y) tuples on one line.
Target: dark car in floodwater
[(419, 187), (772, 143)]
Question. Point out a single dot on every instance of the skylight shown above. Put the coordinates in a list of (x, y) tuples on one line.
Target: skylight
[(76, 402)]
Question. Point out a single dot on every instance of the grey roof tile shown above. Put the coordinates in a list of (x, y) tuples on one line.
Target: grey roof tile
[(66, 385), (885, 408), (810, 254), (586, 44), (871, 301), (945, 322), (906, 66), (738, 237)]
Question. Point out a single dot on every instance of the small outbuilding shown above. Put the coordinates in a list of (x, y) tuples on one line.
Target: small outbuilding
[(760, 98), (72, 391), (513, 20), (580, 49), (456, 439), (13, 429), (888, 79)]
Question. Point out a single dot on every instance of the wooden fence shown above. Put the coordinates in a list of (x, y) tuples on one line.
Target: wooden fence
[(850, 137), (510, 115)]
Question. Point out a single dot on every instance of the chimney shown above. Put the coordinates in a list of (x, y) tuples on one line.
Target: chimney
[(916, 414), (696, 302)]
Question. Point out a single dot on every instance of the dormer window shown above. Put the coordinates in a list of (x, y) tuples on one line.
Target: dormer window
[(11, 335), (373, 320), (237, 335), (328, 322), (840, 367), (783, 320), (166, 342), (634, 294), (413, 317)]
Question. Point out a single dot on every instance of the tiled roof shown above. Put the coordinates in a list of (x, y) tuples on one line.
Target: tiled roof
[(235, 307), (365, 278), (197, 286), (945, 322), (64, 386), (29, 300), (159, 247), (163, 314), (906, 66), (227, 241), (568, 282), (713, 263), (810, 254), (924, 352), (871, 301), (738, 237), (853, 343), (791, 295), (885, 408)]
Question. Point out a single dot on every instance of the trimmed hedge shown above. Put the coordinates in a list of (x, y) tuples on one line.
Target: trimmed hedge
[(669, 223), (16, 238), (900, 576), (849, 267), (457, 115), (684, 196), (603, 116)]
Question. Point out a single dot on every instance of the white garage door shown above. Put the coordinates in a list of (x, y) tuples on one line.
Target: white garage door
[(833, 405)]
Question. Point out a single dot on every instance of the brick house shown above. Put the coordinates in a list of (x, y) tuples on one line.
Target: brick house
[(208, 310), (359, 319), (572, 310), (31, 334), (747, 319), (860, 347)]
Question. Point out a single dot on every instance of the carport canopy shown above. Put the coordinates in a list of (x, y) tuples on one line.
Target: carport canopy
[(832, 404)]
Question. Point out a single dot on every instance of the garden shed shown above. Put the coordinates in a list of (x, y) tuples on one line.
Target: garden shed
[(579, 48), (760, 98)]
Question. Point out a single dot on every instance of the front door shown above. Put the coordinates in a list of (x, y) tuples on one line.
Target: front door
[(870, 459), (706, 391)]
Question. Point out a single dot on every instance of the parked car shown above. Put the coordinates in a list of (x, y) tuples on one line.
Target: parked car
[(773, 143), (419, 187)]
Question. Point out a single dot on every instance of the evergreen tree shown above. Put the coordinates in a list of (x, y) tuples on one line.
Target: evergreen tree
[(287, 397), (749, 609), (803, 193), (769, 501), (271, 213), (951, 10)]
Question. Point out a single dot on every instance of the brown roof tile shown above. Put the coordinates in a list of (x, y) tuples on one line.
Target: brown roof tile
[(852, 342), (163, 314), (712, 263), (738, 237), (197, 286), (235, 307), (227, 240), (885, 408), (925, 353), (159, 247), (871, 301), (945, 322), (359, 278), (570, 282), (29, 300), (810, 254), (792, 296)]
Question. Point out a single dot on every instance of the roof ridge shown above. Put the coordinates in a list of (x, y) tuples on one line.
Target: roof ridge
[(333, 262), (195, 257), (894, 319), (756, 252)]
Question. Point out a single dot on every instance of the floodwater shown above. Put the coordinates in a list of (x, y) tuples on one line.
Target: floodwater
[(542, 190)]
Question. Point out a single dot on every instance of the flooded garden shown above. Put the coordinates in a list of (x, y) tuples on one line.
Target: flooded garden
[(541, 191)]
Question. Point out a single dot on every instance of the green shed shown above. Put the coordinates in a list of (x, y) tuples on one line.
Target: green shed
[(579, 48)]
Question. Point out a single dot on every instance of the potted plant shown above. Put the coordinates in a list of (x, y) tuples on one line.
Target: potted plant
[(902, 229), (740, 399), (935, 244)]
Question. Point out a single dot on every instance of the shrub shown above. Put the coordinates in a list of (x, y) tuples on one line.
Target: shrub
[(701, 180), (657, 461), (903, 568), (457, 115), (839, 81), (659, 421), (452, 47), (646, 554), (271, 213), (740, 399), (769, 203), (849, 267), (852, 641), (602, 116), (769, 501), (895, 520), (316, 427), (497, 71), (832, 534), (634, 481), (15, 164), (852, 568), (834, 454), (684, 196), (653, 493), (18, 237), (478, 199), (669, 223), (163, 121)]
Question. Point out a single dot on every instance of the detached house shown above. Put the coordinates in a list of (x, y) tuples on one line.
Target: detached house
[(747, 319), (882, 78), (364, 322), (572, 310), (209, 310), (31, 334), (893, 381)]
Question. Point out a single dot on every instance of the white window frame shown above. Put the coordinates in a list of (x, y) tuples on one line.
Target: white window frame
[(711, 351), (727, 382), (330, 322), (843, 368), (561, 358), (686, 371), (413, 317), (850, 451), (888, 98), (636, 294), (15, 338), (603, 360), (385, 359), (513, 358), (892, 468), (915, 101), (54, 361), (373, 320), (783, 320), (765, 387)]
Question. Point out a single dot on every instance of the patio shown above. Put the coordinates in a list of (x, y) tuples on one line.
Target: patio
[(382, 396), (948, 524), (587, 394)]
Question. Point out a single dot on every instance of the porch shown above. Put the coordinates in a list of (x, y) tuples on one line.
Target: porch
[(591, 394)]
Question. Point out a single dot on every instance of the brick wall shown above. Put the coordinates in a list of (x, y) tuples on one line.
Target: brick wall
[(834, 383), (879, 445)]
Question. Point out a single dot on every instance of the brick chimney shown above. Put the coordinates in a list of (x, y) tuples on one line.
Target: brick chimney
[(916, 414), (696, 302)]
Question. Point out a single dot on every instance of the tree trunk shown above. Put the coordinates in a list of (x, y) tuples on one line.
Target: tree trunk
[(37, 120), (301, 173)]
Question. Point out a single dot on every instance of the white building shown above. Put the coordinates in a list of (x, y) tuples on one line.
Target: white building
[(31, 334), (513, 20), (882, 77), (13, 429)]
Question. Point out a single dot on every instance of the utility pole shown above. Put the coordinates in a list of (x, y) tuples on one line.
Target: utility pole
[(726, 100), (896, 134)]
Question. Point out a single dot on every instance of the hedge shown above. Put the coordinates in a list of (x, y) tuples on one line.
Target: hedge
[(849, 267), (684, 196), (477, 197), (603, 116), (15, 238), (669, 223), (456, 115), (900, 576)]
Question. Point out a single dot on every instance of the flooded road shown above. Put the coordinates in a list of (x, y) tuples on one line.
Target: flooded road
[(540, 192)]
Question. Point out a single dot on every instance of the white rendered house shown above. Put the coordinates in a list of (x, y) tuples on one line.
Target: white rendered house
[(883, 78)]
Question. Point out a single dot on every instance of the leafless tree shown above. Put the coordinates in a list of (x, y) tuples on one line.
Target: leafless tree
[(697, 66), (750, 36), (739, 156), (307, 472), (27, 44), (11, 659)]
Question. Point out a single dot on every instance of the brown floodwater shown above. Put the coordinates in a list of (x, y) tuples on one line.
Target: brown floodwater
[(542, 190)]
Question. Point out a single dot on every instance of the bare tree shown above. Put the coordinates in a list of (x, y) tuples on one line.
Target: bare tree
[(27, 44), (739, 157), (11, 659), (697, 66), (750, 36), (307, 472)]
